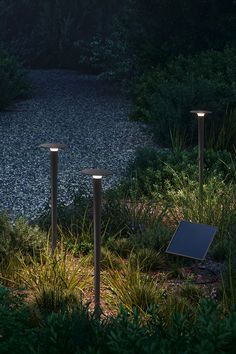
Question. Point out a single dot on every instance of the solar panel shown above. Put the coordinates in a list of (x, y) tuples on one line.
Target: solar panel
[(192, 240)]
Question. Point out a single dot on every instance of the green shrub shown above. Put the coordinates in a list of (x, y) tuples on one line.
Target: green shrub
[(12, 80), (19, 237), (15, 324), (169, 180), (153, 167), (164, 98), (185, 329), (228, 277), (218, 203)]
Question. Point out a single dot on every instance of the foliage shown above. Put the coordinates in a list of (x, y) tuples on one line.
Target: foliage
[(147, 259), (54, 279), (106, 55), (108, 259), (13, 84), (156, 237), (44, 33), (120, 245), (164, 96), (217, 206), (123, 38), (19, 237), (126, 212), (133, 288), (144, 36), (168, 181), (208, 332), (228, 277), (155, 167), (76, 216), (15, 325), (191, 292)]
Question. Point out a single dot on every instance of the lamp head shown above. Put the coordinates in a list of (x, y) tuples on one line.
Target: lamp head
[(200, 113), (54, 147), (96, 173)]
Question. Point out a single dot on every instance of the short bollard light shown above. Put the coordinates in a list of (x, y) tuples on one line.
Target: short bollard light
[(200, 115), (97, 175), (54, 148)]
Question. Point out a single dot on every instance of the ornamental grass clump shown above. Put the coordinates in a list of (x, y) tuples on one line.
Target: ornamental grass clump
[(216, 208), (55, 280), (135, 289)]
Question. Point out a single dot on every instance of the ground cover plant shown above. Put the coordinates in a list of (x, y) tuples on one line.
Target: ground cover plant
[(160, 295), (205, 331)]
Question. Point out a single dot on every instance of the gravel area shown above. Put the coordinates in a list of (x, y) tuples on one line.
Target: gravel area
[(83, 112)]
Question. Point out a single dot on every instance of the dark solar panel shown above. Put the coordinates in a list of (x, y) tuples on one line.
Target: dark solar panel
[(192, 240)]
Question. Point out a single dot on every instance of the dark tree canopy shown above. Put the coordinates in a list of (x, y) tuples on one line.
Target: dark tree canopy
[(44, 32)]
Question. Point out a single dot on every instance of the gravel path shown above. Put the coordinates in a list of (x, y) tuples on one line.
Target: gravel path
[(80, 111)]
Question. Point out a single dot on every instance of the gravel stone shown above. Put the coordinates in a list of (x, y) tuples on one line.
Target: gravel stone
[(83, 112)]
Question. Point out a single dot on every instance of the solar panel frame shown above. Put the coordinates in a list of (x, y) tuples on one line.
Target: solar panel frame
[(183, 230)]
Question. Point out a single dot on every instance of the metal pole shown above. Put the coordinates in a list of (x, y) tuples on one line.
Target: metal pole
[(97, 192), (201, 154), (54, 169)]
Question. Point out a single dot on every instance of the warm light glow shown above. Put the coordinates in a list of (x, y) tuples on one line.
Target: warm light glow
[(53, 149), (97, 177), (200, 114)]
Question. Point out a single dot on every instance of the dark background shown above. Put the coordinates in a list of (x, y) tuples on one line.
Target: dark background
[(171, 56), (74, 33)]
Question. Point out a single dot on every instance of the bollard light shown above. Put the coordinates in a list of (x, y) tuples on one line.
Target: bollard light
[(97, 176), (54, 148), (200, 115)]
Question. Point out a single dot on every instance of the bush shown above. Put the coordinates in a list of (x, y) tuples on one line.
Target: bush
[(217, 208), (12, 80), (188, 329), (15, 324), (158, 168), (169, 181), (164, 97), (156, 237), (105, 56), (19, 237)]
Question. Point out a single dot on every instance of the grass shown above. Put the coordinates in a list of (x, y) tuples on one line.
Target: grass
[(56, 280), (135, 271), (133, 288)]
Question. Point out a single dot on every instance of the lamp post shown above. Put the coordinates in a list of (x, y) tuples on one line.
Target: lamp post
[(200, 115), (54, 170), (97, 175)]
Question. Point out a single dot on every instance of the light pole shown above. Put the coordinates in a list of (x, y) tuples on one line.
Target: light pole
[(54, 170), (200, 115), (97, 175)]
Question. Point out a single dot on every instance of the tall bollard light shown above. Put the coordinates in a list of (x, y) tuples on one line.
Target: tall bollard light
[(54, 171), (97, 176), (200, 115)]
